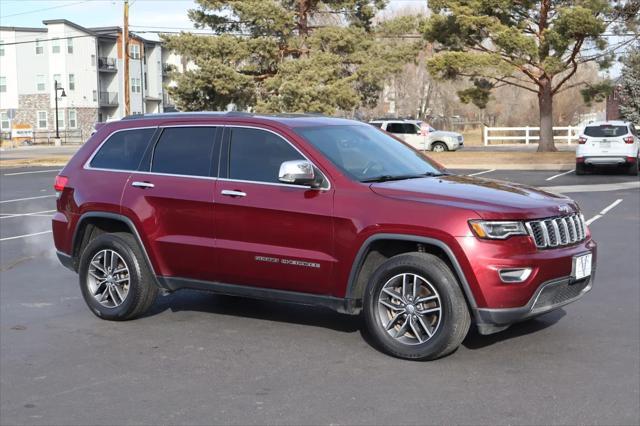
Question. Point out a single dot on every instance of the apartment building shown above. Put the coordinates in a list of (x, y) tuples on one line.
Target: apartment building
[(88, 64)]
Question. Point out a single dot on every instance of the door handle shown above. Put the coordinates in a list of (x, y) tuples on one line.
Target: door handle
[(231, 193), (142, 185)]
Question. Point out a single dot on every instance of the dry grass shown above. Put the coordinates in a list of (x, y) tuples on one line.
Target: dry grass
[(505, 160)]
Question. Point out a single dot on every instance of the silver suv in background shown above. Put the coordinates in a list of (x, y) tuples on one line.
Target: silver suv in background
[(610, 143), (420, 135)]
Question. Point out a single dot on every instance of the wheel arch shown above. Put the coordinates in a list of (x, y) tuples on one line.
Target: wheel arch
[(95, 223), (369, 258)]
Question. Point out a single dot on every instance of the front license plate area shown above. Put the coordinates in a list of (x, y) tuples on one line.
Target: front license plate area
[(581, 266)]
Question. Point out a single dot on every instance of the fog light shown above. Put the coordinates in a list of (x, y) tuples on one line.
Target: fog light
[(514, 275)]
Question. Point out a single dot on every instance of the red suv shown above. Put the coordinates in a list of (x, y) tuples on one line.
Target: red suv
[(317, 211)]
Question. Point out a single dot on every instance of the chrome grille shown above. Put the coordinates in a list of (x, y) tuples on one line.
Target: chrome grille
[(557, 231)]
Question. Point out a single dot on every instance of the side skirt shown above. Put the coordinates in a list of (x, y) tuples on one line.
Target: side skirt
[(343, 306)]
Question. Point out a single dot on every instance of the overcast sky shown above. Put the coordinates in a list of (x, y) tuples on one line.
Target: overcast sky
[(167, 14)]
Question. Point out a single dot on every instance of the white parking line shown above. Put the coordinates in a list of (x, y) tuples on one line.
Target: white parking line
[(560, 174), (28, 173), (40, 213), (604, 211), (483, 172), (25, 236), (26, 199)]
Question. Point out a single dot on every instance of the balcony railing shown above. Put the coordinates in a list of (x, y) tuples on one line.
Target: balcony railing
[(167, 101), (107, 64), (108, 99)]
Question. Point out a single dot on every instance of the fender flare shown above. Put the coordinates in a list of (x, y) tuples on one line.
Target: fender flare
[(126, 221), (364, 249)]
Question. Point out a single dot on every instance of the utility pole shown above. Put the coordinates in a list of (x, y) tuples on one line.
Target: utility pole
[(125, 57)]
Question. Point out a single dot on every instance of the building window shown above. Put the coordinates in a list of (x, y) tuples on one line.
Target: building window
[(55, 45), (73, 122), (57, 78), (135, 85), (95, 96), (72, 82), (134, 51), (5, 124), (3, 84), (1, 47), (93, 60), (61, 119), (40, 83), (39, 47), (42, 120), (69, 45)]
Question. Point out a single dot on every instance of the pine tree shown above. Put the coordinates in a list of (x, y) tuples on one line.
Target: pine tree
[(630, 88), (290, 55)]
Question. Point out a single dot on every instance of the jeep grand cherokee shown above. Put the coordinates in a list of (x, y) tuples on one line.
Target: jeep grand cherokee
[(317, 211)]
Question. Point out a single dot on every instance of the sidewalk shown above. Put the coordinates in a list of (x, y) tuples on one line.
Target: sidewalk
[(476, 158)]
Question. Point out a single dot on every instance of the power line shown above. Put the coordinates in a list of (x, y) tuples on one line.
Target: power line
[(46, 8)]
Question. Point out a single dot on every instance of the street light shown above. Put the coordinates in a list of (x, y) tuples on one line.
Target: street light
[(62, 95)]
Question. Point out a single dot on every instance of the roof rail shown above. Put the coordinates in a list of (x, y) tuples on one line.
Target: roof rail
[(216, 114)]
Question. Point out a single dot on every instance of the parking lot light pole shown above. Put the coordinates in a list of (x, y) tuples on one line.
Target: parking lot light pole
[(55, 95)]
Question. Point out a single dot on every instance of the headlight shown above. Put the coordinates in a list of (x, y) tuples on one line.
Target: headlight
[(497, 230)]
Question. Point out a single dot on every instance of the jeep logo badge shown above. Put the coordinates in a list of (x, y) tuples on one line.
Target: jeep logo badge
[(564, 209)]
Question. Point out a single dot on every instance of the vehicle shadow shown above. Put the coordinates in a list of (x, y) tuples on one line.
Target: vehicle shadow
[(475, 340), (200, 301)]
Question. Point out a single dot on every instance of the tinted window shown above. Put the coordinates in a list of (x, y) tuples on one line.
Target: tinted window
[(605, 131), (184, 151), (377, 124), (256, 155), (364, 152), (402, 128), (123, 150)]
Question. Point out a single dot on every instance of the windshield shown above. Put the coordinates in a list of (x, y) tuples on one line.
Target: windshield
[(367, 154), (605, 130)]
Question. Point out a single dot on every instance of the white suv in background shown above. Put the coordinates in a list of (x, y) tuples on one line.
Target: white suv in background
[(608, 143), (420, 135)]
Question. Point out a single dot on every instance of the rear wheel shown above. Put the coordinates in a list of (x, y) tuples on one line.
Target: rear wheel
[(414, 308), (439, 147), (633, 168), (580, 168), (115, 280)]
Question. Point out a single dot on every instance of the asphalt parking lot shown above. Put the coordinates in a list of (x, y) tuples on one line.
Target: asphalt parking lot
[(199, 358)]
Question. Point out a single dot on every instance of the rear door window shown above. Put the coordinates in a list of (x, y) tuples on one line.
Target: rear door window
[(402, 128), (256, 155), (185, 151), (605, 131), (123, 150)]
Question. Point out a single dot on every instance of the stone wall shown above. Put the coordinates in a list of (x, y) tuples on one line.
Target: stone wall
[(27, 113)]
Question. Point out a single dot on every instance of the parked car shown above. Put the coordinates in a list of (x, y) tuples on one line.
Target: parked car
[(420, 135), (317, 211), (610, 143)]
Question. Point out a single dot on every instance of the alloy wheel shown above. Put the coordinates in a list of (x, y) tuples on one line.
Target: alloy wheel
[(108, 278), (409, 309)]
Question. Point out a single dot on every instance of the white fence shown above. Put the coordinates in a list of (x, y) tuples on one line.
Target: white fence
[(528, 134)]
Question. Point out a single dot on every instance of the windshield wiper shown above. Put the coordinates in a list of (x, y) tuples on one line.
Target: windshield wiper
[(387, 178)]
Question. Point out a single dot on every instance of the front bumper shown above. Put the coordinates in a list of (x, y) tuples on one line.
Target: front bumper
[(549, 296)]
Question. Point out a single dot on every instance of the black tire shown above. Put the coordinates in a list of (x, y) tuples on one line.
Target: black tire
[(443, 146), (142, 290), (580, 169), (454, 321), (633, 168)]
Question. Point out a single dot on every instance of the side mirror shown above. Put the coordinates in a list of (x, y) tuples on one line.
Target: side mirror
[(298, 172)]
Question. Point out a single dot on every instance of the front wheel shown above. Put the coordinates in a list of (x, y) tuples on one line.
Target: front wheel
[(439, 147), (414, 308)]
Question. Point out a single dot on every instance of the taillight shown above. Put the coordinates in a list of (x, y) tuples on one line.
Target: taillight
[(60, 184), (628, 139), (582, 140)]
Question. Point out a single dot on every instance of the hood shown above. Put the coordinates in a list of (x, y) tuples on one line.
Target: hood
[(443, 134), (491, 199)]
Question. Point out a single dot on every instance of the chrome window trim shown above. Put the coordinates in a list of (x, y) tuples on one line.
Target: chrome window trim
[(87, 164), (243, 126)]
